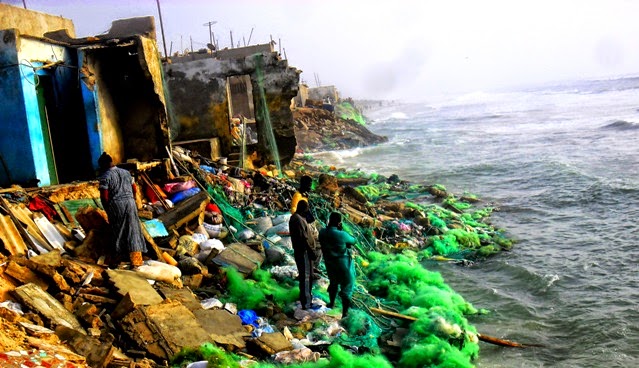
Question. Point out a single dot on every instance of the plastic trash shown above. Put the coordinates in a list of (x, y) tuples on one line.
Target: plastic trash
[(245, 235), (281, 229), (248, 317), (180, 196), (173, 188), (211, 303), (281, 219), (159, 271)]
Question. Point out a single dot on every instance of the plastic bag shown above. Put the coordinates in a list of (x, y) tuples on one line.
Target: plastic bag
[(173, 188), (159, 271)]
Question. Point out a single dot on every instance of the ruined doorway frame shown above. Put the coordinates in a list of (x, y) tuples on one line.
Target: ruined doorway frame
[(239, 91)]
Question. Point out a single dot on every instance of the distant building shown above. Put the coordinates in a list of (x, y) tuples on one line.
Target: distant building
[(326, 94), (66, 100)]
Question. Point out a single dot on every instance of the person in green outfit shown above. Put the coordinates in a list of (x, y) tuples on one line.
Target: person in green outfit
[(336, 248)]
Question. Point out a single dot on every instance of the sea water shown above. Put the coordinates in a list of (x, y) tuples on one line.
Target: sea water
[(561, 164)]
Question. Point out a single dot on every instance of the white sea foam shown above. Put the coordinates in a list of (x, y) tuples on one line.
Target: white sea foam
[(337, 157)]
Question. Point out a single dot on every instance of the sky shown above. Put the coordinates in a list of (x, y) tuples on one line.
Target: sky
[(400, 49)]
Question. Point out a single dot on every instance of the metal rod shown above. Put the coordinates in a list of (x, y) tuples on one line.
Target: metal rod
[(162, 28), (250, 35)]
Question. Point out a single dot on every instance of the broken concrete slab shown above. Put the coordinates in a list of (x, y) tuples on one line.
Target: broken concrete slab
[(24, 275), (223, 327), (164, 329), (241, 257), (138, 288), (134, 289), (38, 300), (272, 343), (184, 296), (47, 263)]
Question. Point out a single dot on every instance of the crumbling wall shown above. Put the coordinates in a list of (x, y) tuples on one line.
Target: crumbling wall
[(128, 86), (32, 23), (200, 104)]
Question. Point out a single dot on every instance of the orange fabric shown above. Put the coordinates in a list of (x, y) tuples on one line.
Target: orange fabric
[(136, 258)]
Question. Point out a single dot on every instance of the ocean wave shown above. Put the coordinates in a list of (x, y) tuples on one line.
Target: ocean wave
[(338, 156), (621, 125)]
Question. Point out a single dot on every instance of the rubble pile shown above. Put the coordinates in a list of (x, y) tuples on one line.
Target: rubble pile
[(219, 282), (318, 129)]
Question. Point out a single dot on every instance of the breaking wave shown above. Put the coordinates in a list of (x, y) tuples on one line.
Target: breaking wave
[(338, 156)]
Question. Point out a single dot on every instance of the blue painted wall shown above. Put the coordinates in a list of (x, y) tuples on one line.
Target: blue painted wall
[(15, 141), (92, 114)]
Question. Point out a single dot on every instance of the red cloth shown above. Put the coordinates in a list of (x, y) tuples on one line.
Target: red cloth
[(212, 207), (39, 204)]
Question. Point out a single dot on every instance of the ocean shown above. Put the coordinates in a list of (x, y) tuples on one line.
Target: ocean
[(561, 164)]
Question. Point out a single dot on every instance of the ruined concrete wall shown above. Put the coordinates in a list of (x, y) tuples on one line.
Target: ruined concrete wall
[(320, 93), (32, 23), (199, 99), (242, 52), (302, 95)]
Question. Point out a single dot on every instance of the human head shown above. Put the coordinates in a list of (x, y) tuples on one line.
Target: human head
[(105, 161), (334, 219), (305, 183), (302, 207)]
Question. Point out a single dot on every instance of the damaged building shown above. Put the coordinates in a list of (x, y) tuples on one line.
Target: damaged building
[(234, 103), (67, 100)]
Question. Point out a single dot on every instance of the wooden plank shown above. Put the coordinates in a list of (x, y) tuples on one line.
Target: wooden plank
[(239, 256), (185, 211), (38, 300)]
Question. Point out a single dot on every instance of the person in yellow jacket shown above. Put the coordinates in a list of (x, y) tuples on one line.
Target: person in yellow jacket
[(306, 182)]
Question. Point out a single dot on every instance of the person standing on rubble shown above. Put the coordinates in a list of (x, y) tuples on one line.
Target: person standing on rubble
[(116, 193), (303, 245), (336, 247), (306, 184)]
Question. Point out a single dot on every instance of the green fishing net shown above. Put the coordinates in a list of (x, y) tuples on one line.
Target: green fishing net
[(253, 293), (232, 215), (347, 111), (361, 331), (216, 357)]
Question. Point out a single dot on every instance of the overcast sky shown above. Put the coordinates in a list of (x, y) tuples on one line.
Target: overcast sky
[(399, 49)]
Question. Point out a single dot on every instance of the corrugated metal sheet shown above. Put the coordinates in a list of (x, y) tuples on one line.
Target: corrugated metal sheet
[(11, 239)]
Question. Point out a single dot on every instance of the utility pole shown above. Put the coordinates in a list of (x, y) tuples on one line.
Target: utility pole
[(231, 32), (210, 31), (162, 29), (24, 3)]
